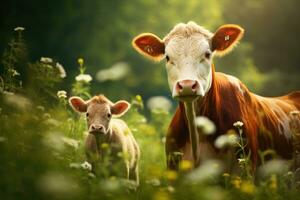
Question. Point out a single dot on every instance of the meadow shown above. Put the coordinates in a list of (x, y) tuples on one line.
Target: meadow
[(42, 144)]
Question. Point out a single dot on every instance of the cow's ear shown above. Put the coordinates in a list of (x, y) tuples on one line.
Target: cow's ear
[(225, 38), (149, 45), (78, 104), (120, 108)]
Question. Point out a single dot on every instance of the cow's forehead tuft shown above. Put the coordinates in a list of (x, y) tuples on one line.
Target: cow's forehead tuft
[(187, 30)]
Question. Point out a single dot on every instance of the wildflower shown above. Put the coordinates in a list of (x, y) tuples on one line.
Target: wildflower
[(19, 28), (61, 94), (153, 182), (91, 175), (206, 171), (185, 165), (236, 182), (74, 165), (159, 103), (274, 167), (104, 145), (226, 175), (46, 60), (247, 187), (84, 78), (17, 101), (238, 124), (242, 161), (86, 165), (80, 61), (14, 72), (41, 108), (161, 195), (116, 72), (171, 175), (273, 182), (206, 125), (71, 142), (226, 140), (171, 189), (61, 70), (138, 97)]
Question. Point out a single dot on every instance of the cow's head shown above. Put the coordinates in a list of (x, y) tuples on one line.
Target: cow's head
[(188, 50), (99, 111)]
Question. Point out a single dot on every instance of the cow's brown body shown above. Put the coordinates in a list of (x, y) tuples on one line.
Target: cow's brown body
[(226, 103)]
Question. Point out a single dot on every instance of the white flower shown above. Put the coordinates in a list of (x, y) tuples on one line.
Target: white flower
[(154, 182), (84, 78), (46, 60), (71, 142), (19, 28), (61, 70), (86, 166), (116, 72), (238, 124), (159, 103), (17, 101), (242, 160), (274, 167), (226, 140), (14, 72), (206, 125), (75, 165), (208, 170), (62, 94)]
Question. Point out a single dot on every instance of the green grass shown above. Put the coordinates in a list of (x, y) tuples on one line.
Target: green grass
[(42, 149)]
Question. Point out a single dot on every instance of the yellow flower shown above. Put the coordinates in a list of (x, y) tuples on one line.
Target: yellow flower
[(161, 195), (185, 165), (104, 145), (138, 98), (236, 182), (171, 175), (273, 182), (80, 61), (247, 187), (226, 175)]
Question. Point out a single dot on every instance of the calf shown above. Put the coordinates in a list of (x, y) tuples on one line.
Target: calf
[(188, 50), (107, 132)]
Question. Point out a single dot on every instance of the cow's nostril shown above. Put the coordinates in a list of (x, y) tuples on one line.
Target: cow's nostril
[(179, 86), (194, 86)]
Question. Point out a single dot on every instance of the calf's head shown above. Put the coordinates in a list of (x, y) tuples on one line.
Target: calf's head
[(99, 111), (188, 50)]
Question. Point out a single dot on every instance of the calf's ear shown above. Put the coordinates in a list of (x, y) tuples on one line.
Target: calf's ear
[(150, 46), (120, 108), (78, 104), (226, 38)]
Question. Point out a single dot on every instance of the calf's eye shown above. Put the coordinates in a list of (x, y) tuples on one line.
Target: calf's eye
[(87, 114), (167, 58), (207, 54), (108, 115)]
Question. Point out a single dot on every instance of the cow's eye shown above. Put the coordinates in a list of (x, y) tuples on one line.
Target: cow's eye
[(207, 54), (167, 58), (87, 114), (108, 115)]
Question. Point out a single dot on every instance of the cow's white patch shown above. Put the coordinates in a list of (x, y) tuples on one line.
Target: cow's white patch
[(188, 62), (235, 81)]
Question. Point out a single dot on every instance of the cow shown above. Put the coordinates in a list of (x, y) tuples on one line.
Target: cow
[(108, 132), (188, 50)]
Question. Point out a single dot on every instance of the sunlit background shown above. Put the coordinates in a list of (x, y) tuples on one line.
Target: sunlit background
[(267, 59), (42, 138)]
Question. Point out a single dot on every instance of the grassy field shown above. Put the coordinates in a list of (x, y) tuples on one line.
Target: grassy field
[(42, 147)]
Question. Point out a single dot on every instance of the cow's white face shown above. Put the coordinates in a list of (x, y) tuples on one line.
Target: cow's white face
[(189, 66), (188, 49)]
